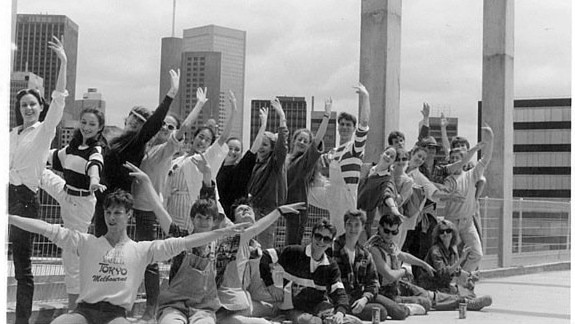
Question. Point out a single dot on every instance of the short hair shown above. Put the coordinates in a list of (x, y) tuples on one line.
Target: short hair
[(393, 135), (389, 219), (455, 239), (203, 206), (347, 116), (459, 140), (456, 150), (120, 198), (324, 223), (208, 128), (355, 214), (41, 101), (240, 201), (417, 149)]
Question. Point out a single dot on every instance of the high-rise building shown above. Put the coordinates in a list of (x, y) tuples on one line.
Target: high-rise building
[(231, 43), (541, 149), (330, 135), (90, 99), (295, 109), (19, 81), (435, 131), (171, 59), (33, 32)]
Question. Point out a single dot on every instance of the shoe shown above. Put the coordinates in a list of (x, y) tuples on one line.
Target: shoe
[(416, 309), (478, 303)]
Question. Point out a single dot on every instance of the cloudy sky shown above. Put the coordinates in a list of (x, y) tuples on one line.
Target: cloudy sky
[(311, 48)]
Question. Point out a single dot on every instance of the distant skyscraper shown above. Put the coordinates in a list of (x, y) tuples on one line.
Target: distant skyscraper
[(32, 54), (171, 59), (295, 109), (330, 134), (231, 43), (19, 81), (435, 131), (90, 99)]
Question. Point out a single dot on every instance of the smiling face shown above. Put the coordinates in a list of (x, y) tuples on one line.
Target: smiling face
[(418, 158), (265, 148), (133, 123), (301, 142), (30, 109), (345, 129), (353, 227), (398, 142), (388, 232), (445, 234), (89, 125), (321, 240), (387, 158), (401, 161), (244, 214), (168, 127), (235, 150), (202, 223), (117, 218), (202, 141)]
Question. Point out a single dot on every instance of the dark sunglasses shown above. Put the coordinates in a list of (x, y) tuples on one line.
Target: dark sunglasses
[(447, 230), (319, 237), (169, 126), (405, 158), (388, 231)]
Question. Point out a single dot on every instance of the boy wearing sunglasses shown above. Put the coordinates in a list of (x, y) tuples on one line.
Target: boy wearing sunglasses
[(310, 277)]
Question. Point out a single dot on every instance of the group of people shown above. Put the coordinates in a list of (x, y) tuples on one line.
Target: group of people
[(219, 209)]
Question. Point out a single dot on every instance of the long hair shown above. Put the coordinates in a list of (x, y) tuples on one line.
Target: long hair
[(119, 143), (292, 156), (99, 139), (41, 102), (455, 239)]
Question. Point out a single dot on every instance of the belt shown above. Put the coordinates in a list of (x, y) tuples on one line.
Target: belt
[(76, 192)]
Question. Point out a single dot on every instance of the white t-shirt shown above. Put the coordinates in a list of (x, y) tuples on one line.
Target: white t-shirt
[(112, 274)]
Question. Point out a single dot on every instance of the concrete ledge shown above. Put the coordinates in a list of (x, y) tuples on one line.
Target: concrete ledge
[(523, 270)]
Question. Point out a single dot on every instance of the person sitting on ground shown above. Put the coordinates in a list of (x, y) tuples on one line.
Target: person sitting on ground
[(112, 266), (313, 283), (359, 275)]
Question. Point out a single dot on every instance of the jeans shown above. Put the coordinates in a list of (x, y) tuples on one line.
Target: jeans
[(146, 231), (394, 310), (470, 237), (22, 202), (267, 237), (100, 227)]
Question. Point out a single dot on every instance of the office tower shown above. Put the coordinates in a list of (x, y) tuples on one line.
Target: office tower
[(171, 59), (90, 99), (19, 81), (435, 131), (231, 43), (330, 135), (32, 35), (295, 109), (13, 35), (202, 69)]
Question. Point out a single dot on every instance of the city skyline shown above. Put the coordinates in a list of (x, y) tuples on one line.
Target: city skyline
[(306, 52)]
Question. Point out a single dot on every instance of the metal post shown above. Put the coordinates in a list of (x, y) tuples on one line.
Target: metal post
[(520, 224), (484, 227)]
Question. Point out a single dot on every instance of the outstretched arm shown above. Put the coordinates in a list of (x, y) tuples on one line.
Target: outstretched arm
[(162, 215), (263, 223), (29, 224), (229, 124), (201, 96), (324, 122), (408, 258), (263, 124), (199, 239), (466, 158), (364, 105), (444, 138)]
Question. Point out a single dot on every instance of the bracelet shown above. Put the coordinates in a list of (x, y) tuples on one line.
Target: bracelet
[(325, 116)]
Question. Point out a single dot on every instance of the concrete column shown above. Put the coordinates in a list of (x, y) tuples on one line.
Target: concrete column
[(379, 69), (497, 111)]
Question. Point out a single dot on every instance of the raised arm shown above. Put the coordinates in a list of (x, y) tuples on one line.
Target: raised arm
[(263, 223), (424, 123), (324, 122), (280, 149), (141, 177), (277, 106), (364, 105), (466, 158), (199, 239), (229, 123), (487, 138), (444, 138), (201, 96), (204, 168), (263, 124), (54, 114)]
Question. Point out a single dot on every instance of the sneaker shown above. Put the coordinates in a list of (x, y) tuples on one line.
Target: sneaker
[(416, 309), (478, 303)]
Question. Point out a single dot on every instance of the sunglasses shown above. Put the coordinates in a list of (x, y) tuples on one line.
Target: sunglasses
[(319, 237), (401, 159), (447, 230), (169, 126), (388, 231)]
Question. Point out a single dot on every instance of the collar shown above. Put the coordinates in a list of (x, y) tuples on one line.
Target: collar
[(379, 173), (323, 261), (20, 130)]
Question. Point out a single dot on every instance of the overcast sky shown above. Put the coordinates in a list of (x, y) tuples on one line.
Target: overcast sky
[(311, 48)]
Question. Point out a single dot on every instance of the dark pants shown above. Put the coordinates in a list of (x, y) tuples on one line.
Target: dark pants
[(418, 243), (390, 307), (295, 227), (100, 227), (146, 231), (22, 202), (101, 312)]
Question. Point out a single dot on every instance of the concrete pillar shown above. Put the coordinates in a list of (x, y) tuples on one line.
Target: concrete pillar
[(497, 111), (379, 69), (171, 58)]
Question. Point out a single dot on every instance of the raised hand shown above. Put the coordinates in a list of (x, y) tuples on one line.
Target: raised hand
[(201, 163), (174, 83), (58, 48), (233, 100), (486, 133), (201, 95), (139, 175), (277, 106), (425, 110), (327, 107), (360, 89), (292, 208), (264, 111), (443, 121)]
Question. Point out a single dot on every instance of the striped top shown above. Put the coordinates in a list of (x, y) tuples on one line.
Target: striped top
[(74, 162), (349, 156)]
